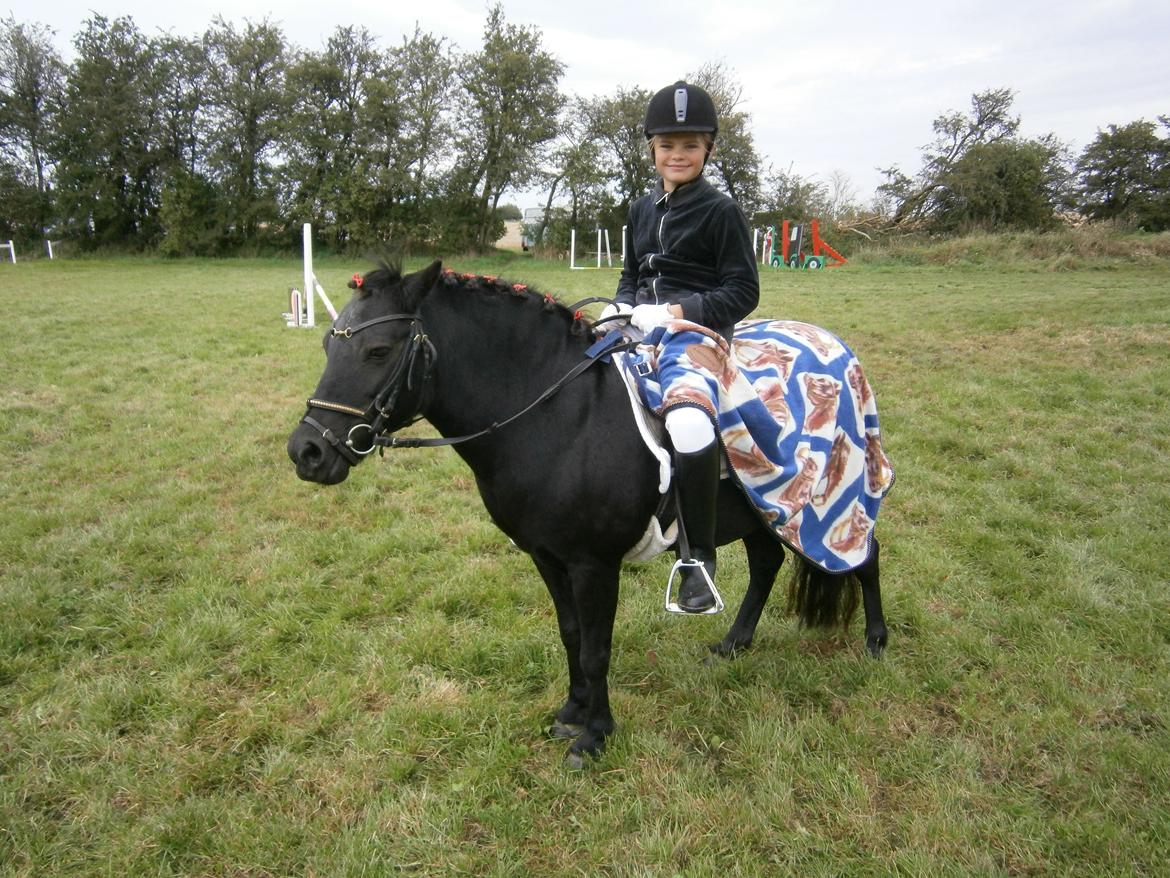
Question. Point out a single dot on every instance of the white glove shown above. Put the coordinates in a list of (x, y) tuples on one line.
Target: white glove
[(648, 317), (617, 308)]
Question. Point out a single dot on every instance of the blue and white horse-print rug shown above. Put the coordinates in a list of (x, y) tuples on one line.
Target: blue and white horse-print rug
[(797, 420)]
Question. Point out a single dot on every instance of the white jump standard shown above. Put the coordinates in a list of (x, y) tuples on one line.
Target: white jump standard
[(300, 304)]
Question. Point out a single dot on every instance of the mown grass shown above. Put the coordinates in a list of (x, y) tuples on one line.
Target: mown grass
[(208, 667)]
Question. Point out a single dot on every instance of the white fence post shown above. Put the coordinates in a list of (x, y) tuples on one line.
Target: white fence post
[(310, 278)]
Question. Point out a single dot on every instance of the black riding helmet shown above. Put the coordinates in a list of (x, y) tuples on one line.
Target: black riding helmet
[(681, 107)]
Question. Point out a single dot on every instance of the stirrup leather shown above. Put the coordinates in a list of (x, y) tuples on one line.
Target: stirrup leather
[(671, 606)]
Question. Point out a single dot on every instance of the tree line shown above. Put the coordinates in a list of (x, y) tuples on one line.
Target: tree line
[(227, 141)]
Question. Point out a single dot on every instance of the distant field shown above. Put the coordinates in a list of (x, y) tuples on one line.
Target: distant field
[(208, 667)]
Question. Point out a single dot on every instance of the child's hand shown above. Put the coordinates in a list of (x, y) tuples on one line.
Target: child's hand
[(648, 317), (602, 325)]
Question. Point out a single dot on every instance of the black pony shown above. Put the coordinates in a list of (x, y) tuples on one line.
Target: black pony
[(569, 480)]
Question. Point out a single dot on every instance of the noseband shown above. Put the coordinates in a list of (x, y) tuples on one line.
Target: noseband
[(375, 417)]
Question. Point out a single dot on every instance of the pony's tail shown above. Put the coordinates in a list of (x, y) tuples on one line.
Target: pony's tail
[(820, 599)]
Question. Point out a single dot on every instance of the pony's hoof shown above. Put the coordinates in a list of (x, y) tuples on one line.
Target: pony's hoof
[(723, 650), (875, 646), (565, 730), (579, 756)]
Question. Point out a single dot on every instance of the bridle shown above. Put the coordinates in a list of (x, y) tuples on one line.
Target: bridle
[(375, 418)]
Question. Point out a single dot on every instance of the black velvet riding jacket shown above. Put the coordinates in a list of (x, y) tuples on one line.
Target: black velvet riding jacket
[(691, 247)]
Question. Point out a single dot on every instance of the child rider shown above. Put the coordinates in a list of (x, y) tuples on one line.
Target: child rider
[(689, 255)]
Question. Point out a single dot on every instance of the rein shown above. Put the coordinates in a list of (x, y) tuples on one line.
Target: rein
[(391, 441), (403, 373)]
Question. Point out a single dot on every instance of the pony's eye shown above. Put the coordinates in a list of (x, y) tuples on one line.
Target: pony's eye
[(378, 353)]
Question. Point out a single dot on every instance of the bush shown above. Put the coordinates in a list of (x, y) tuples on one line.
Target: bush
[(1094, 245)]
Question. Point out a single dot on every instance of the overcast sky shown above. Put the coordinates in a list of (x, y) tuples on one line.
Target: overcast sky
[(830, 86)]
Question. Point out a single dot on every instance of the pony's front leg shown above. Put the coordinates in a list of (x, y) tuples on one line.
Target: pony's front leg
[(570, 719), (595, 593)]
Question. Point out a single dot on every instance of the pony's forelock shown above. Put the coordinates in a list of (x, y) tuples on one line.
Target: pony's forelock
[(386, 275)]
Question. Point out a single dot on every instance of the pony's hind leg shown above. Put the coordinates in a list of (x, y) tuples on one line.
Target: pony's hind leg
[(876, 634), (764, 555)]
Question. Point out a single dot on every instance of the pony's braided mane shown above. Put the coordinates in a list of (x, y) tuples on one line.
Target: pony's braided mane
[(490, 284), (389, 272)]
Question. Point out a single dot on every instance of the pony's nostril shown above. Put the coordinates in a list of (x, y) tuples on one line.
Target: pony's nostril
[(311, 454), (306, 453)]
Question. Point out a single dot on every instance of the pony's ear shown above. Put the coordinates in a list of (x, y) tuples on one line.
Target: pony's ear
[(417, 285)]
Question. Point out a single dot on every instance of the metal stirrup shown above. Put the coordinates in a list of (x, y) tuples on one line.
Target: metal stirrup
[(686, 559), (673, 607)]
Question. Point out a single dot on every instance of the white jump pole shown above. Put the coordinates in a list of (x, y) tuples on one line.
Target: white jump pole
[(11, 250), (325, 300), (310, 278), (572, 249)]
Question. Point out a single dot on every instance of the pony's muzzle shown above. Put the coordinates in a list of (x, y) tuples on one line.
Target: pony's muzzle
[(315, 461)]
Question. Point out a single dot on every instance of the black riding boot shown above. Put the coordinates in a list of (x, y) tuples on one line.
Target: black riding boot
[(698, 484)]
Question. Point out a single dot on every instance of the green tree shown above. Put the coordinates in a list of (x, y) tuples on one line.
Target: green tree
[(1007, 183), (512, 101), (789, 196), (247, 102), (578, 169), (193, 213), (1125, 174), (426, 70), (105, 139), (735, 166), (324, 140), (193, 216), (408, 144), (615, 123), (182, 76), (32, 78), (990, 120)]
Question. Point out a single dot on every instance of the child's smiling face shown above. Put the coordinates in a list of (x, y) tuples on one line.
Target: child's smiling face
[(679, 158)]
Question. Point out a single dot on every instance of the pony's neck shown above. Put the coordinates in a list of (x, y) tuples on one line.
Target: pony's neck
[(496, 354)]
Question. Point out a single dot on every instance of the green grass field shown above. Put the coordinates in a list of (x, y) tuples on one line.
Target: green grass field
[(208, 667)]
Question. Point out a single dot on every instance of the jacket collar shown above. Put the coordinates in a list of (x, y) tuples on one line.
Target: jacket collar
[(684, 193)]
